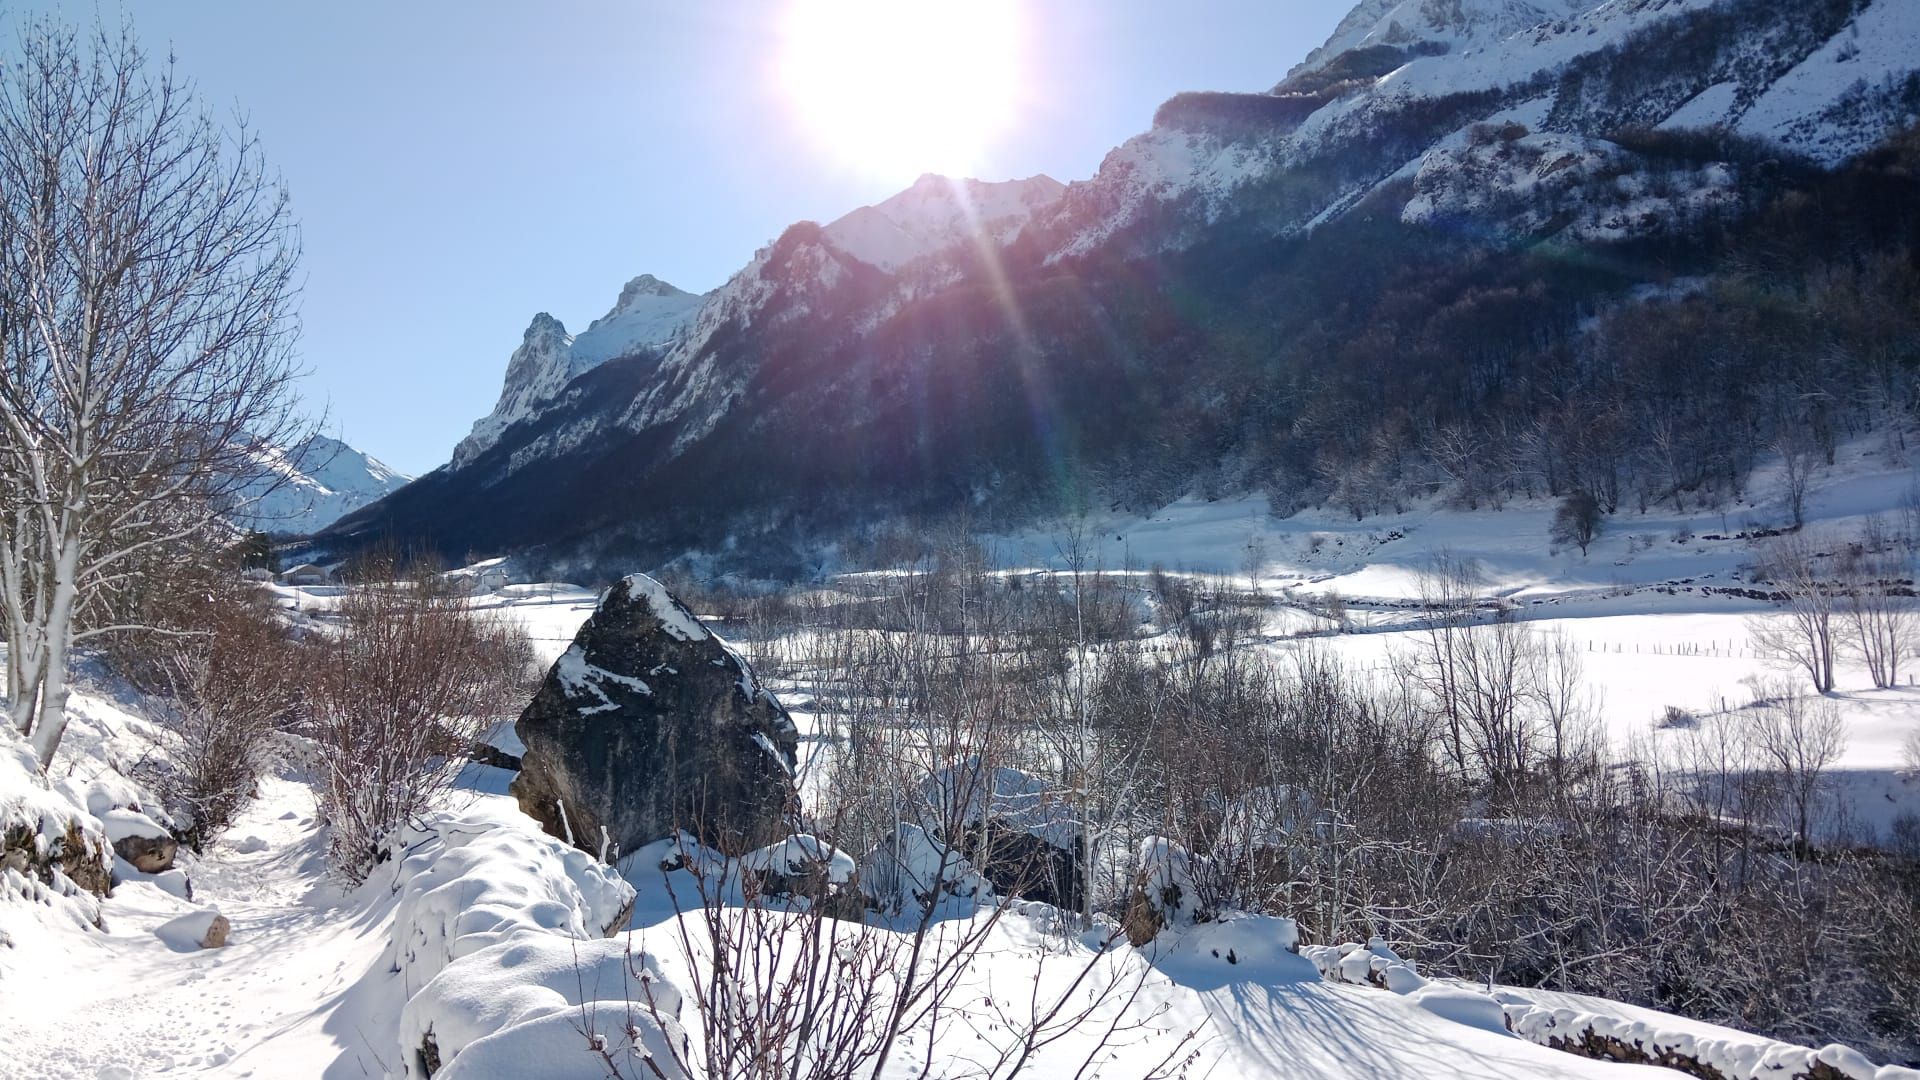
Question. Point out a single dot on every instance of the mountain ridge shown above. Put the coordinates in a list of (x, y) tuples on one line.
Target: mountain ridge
[(1412, 129)]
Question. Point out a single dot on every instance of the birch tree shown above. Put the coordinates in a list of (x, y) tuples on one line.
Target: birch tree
[(147, 287)]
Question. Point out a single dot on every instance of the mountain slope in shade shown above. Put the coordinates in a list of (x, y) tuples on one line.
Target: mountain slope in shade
[(314, 484)]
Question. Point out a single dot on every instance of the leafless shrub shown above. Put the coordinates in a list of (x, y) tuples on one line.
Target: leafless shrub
[(233, 681), (398, 696)]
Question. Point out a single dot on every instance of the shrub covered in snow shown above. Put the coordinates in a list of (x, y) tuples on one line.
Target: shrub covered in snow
[(910, 870), (1174, 888), (464, 885)]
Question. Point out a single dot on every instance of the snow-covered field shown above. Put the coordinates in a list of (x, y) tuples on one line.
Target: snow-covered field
[(315, 981)]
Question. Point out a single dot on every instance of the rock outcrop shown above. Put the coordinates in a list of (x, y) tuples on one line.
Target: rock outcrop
[(649, 724)]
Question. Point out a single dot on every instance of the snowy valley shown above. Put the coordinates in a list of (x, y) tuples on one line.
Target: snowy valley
[(1411, 573)]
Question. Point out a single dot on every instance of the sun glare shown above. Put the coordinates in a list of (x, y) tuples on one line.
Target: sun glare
[(896, 88)]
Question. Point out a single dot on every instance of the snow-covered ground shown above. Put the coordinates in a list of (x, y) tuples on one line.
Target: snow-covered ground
[(310, 983)]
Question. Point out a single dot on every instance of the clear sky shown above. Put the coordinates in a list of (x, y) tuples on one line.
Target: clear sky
[(457, 167)]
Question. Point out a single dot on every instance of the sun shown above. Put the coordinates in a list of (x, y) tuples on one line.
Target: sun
[(895, 88)]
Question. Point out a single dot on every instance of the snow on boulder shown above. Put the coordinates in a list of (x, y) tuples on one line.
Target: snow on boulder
[(910, 870), (807, 868), (1016, 828), (140, 840), (500, 937), (50, 846), (649, 723), (203, 929), (1684, 1046), (1171, 890)]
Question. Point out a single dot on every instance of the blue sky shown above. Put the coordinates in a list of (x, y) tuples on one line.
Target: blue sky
[(457, 167)]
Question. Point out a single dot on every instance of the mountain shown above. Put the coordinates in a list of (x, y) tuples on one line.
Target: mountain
[(937, 214), (1471, 247), (645, 319), (313, 484)]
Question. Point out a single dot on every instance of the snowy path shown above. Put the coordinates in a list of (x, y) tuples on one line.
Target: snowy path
[(123, 1005)]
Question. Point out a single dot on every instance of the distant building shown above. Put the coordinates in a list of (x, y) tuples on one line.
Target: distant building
[(306, 574), (479, 579)]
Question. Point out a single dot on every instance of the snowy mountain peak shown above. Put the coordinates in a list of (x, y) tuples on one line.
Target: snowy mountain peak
[(647, 317), (307, 487), (937, 213), (544, 327), (645, 285), (1437, 25)]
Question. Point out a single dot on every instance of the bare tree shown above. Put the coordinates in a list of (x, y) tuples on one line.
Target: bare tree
[(1806, 636), (146, 320), (1799, 739), (1576, 520), (1797, 459), (1879, 620), (232, 683)]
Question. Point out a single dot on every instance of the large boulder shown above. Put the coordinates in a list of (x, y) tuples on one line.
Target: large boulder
[(1015, 828), (649, 724)]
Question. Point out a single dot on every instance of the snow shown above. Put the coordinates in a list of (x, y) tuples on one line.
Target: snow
[(1462, 1006), (966, 794), (911, 870), (123, 824), (1709, 108), (1171, 883), (1450, 24), (1806, 109), (797, 855), (675, 619), (648, 315), (937, 214), (312, 485), (577, 678), (495, 927), (492, 936), (185, 933)]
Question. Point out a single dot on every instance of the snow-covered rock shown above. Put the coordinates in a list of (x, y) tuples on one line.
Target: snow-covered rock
[(202, 929), (910, 870), (1174, 889), (1015, 827), (49, 843), (466, 884), (504, 940), (140, 840), (648, 724)]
